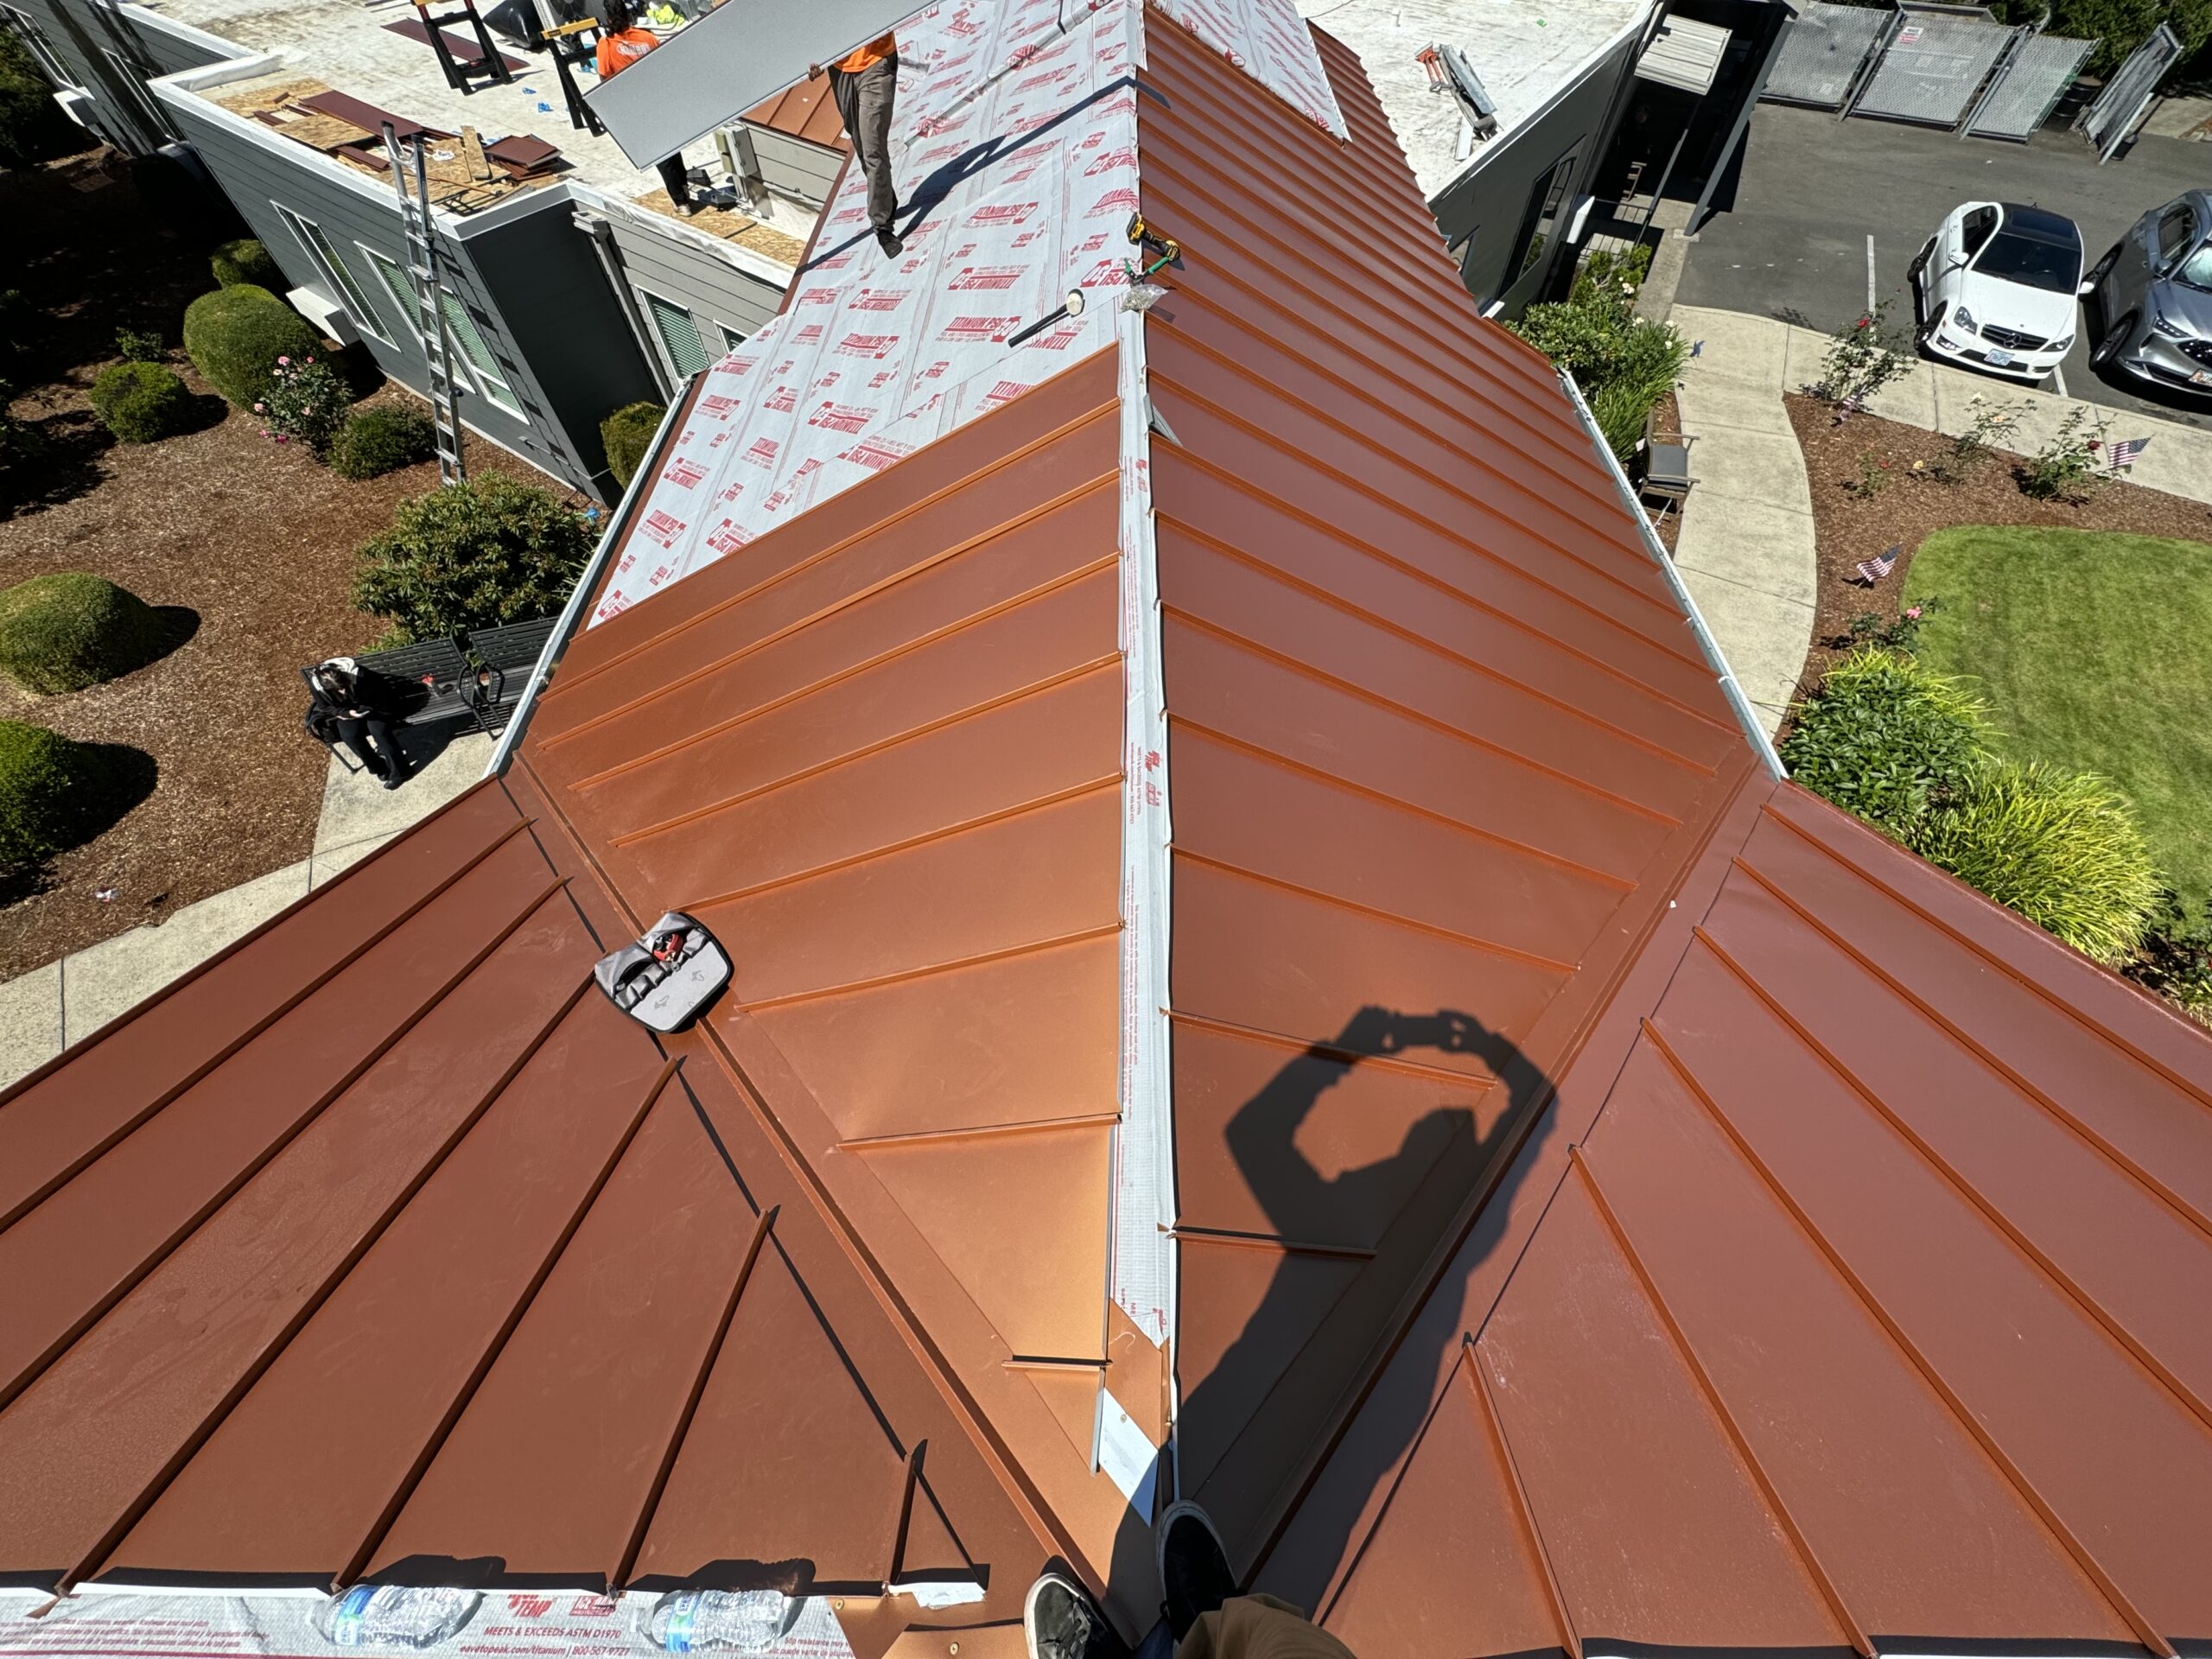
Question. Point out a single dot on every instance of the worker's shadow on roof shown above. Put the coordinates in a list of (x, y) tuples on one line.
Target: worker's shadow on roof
[(1361, 1236), (925, 199)]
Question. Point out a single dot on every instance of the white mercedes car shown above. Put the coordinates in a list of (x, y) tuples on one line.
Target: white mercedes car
[(1995, 288)]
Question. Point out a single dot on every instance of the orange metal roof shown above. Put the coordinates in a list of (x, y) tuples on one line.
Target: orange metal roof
[(805, 110), (1622, 1204)]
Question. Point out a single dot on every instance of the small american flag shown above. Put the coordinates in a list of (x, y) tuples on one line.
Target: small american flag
[(1872, 570), (2122, 452)]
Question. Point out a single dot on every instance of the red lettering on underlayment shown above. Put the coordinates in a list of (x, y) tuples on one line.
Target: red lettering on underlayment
[(878, 346), (987, 277), (661, 529), (977, 328), (841, 418), (684, 474), (878, 452)]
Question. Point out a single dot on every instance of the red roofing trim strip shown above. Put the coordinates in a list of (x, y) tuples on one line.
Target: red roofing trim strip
[(1273, 1242), (153, 1258), (1192, 620), (1338, 901), (1486, 1405), (374, 1539), (2180, 1205), (1337, 601), (1029, 947), (943, 832), (252, 1373), (2104, 1034), (307, 988), (976, 1131), (707, 614), (848, 756), (2113, 1593), (2027, 1247), (1579, 1159), (620, 1577)]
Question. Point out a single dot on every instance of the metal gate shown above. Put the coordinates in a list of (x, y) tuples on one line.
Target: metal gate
[(1932, 67), (2028, 88), (2112, 116), (1823, 52)]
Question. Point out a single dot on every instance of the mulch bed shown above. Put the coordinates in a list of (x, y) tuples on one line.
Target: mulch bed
[(1849, 528), (256, 543)]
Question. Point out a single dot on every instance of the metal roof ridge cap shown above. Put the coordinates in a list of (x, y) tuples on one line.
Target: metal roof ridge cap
[(1762, 745)]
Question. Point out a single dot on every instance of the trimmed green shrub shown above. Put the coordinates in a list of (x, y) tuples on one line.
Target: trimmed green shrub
[(375, 442), (628, 433), (471, 556), (54, 793), (2061, 848), (1887, 739), (141, 402), (235, 335), (1623, 364), (140, 345), (32, 127), (64, 633), (305, 401), (245, 260)]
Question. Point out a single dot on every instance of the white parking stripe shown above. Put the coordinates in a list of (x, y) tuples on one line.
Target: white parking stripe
[(2058, 374), (1870, 273)]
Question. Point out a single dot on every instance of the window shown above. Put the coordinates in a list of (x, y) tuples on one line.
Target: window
[(490, 378), (1976, 229), (2175, 228), (42, 49), (396, 284), (151, 114), (733, 338), (679, 335), (1537, 224), (310, 235)]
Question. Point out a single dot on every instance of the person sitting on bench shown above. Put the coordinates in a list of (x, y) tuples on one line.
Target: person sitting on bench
[(357, 707)]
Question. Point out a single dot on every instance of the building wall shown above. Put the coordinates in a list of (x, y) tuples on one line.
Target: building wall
[(725, 302), (1482, 212), (793, 168), (108, 52)]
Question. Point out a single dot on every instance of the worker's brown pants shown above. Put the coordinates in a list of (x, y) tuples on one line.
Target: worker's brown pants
[(1259, 1627), (864, 100)]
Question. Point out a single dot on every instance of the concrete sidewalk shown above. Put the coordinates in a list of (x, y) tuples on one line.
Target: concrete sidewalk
[(44, 1011), (1745, 547)]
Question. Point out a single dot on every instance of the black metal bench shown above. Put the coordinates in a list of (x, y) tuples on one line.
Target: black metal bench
[(501, 659)]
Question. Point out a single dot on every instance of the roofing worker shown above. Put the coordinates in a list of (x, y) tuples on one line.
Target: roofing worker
[(1204, 1616), (865, 82), (621, 43)]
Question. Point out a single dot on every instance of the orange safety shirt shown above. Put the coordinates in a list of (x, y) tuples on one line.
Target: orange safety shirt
[(617, 52), (874, 52)]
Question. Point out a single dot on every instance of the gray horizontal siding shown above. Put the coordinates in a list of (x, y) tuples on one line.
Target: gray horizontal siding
[(101, 46), (678, 269), (560, 431), (792, 166)]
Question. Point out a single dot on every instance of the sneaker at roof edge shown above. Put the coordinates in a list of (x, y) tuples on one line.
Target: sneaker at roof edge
[(1061, 1623), (1195, 1575)]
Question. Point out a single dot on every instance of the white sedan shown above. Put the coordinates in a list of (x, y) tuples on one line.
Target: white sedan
[(1994, 287)]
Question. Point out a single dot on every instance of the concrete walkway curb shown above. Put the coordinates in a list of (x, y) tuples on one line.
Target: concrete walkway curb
[(1745, 547), (44, 1011)]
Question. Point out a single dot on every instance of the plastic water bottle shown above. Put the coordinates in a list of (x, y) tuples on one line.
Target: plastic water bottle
[(394, 1615), (718, 1621)]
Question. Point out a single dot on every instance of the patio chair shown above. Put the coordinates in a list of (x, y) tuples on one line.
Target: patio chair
[(1666, 465)]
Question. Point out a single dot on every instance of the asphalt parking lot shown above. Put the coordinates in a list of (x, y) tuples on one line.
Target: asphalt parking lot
[(1815, 190)]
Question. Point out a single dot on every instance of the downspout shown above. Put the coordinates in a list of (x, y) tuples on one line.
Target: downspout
[(1746, 716), (602, 243), (587, 584)]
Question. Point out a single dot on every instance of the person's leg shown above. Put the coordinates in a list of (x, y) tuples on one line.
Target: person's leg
[(875, 96), (673, 176), (353, 733), (1195, 1576), (1259, 1627), (378, 730)]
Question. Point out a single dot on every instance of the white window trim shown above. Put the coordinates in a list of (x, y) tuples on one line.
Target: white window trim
[(41, 50), (677, 376), (340, 277), (464, 373), (506, 400)]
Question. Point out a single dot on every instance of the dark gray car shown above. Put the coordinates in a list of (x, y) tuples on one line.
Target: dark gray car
[(2154, 297)]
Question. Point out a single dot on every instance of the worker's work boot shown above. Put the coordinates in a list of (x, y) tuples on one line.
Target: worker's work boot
[(892, 244), (1194, 1571)]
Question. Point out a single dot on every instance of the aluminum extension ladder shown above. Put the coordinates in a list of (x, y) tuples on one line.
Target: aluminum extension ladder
[(410, 179)]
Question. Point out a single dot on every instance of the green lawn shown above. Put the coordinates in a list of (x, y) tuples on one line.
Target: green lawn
[(2095, 650)]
